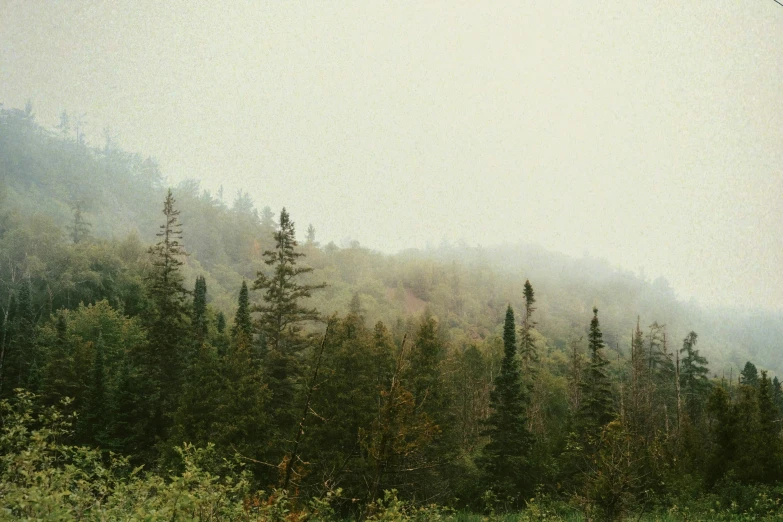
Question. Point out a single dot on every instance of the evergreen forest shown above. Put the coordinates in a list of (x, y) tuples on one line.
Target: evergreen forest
[(172, 353)]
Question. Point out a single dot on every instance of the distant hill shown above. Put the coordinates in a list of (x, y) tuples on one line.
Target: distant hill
[(51, 172)]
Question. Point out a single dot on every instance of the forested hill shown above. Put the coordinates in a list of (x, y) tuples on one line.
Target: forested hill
[(162, 350), (50, 178)]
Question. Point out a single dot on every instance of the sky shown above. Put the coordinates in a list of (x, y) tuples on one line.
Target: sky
[(646, 133)]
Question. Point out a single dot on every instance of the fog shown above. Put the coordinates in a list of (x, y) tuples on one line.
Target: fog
[(649, 134)]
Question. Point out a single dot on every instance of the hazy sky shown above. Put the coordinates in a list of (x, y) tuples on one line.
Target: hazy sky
[(646, 133)]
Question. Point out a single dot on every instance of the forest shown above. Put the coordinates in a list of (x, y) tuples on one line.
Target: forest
[(168, 355)]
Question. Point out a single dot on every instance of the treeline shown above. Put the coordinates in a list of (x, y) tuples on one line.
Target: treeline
[(366, 408)]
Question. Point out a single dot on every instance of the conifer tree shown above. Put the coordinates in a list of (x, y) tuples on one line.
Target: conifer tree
[(527, 347), (220, 323), (79, 228), (723, 433), (596, 406), (310, 237), (423, 378), (747, 463), (777, 394), (505, 457), (638, 404), (199, 314), (243, 323), (750, 375), (769, 445), (355, 306), (425, 356), (167, 348), (281, 316), (222, 339), (693, 376)]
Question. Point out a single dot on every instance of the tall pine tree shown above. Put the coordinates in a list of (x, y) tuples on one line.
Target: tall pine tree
[(281, 318), (505, 457), (693, 377), (199, 313), (243, 323), (167, 351), (596, 406), (527, 347)]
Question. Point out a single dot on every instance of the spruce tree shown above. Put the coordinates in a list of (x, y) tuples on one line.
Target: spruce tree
[(167, 348), (723, 434), (243, 323), (693, 376), (281, 318), (750, 375), (777, 394), (769, 446), (596, 405), (527, 347), (79, 229), (199, 314), (424, 373), (310, 237), (638, 404), (505, 457)]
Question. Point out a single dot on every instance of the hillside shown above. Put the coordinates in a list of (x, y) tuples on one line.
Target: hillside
[(198, 347), (48, 173)]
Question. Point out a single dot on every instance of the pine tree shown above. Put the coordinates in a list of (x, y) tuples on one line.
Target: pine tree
[(505, 457), (527, 347), (310, 237), (221, 340), (596, 406), (281, 317), (199, 314), (79, 229), (640, 393), (167, 349), (723, 433), (750, 375), (777, 395), (693, 376), (243, 323), (769, 445), (424, 372), (355, 307)]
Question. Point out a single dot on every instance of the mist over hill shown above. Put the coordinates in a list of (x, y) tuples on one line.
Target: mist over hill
[(48, 173)]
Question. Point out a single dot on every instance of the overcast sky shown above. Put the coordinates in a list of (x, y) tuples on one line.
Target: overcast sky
[(646, 133)]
